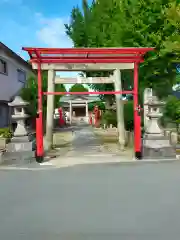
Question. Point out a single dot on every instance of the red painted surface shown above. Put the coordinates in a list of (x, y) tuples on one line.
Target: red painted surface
[(87, 93), (56, 57), (100, 55), (38, 150), (137, 118), (61, 119), (87, 55), (107, 51), (86, 60), (96, 116), (39, 120)]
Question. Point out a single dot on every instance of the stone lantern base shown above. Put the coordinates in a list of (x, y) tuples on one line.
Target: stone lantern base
[(155, 144), (20, 150), (157, 147)]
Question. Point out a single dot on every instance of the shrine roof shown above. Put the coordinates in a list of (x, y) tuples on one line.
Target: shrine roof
[(89, 98)]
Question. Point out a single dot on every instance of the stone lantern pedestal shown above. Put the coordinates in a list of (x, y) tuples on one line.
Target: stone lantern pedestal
[(155, 144), (21, 147)]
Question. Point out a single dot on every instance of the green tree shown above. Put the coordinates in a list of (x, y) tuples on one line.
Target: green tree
[(172, 111), (133, 23), (29, 93), (78, 28), (93, 104), (129, 115), (78, 88), (58, 88), (92, 35)]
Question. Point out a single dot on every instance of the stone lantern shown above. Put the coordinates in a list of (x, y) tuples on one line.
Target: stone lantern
[(19, 116), (155, 144), (154, 115), (21, 145)]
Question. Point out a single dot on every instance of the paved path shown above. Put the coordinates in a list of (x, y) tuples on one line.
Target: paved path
[(85, 143), (99, 202), (85, 148)]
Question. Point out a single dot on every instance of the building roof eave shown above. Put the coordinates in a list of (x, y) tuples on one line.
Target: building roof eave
[(15, 56)]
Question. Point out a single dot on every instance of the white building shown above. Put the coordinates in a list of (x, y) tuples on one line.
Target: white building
[(13, 75)]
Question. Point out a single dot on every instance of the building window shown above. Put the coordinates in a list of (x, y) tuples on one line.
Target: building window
[(3, 66), (21, 76)]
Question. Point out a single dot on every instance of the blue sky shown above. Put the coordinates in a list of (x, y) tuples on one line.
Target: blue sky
[(37, 23)]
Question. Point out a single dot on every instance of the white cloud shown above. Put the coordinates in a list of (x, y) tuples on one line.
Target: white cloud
[(36, 31), (52, 31)]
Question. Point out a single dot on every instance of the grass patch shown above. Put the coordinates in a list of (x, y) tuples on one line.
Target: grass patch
[(62, 139), (106, 137), (61, 145)]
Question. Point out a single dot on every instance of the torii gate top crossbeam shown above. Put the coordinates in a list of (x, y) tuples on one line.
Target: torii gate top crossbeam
[(86, 55)]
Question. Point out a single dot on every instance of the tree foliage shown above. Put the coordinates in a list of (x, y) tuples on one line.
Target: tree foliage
[(133, 23), (58, 88), (110, 116), (97, 103), (129, 115), (29, 93), (78, 88), (172, 111)]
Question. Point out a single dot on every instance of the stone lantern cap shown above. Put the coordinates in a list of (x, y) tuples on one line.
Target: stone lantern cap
[(154, 107), (154, 102), (18, 102)]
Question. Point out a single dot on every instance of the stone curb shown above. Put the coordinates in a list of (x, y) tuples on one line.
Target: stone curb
[(27, 168), (56, 166), (117, 162)]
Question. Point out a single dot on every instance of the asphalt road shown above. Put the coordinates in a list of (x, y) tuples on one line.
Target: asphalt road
[(95, 202)]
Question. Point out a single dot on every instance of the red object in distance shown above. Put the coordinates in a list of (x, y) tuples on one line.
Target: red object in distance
[(61, 119)]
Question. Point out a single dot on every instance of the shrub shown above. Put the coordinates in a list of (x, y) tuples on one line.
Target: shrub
[(129, 116), (172, 111), (5, 133), (109, 117), (98, 103)]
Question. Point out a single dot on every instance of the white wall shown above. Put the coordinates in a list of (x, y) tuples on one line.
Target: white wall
[(9, 84)]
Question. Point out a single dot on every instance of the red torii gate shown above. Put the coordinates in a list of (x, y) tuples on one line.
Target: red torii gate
[(39, 57)]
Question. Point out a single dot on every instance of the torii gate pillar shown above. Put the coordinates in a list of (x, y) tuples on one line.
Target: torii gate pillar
[(50, 110), (119, 108)]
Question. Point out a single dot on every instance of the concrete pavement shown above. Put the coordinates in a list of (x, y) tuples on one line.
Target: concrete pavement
[(102, 201)]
